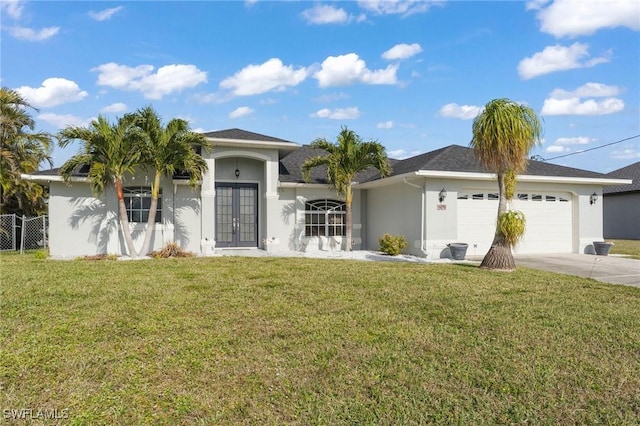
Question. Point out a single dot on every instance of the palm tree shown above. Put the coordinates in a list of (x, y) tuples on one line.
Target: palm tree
[(503, 135), (21, 151), (111, 151), (346, 158), (167, 149)]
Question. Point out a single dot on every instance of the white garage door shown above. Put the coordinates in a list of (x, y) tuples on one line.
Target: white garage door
[(549, 221)]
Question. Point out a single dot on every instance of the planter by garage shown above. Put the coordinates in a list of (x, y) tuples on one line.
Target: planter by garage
[(602, 248), (458, 250)]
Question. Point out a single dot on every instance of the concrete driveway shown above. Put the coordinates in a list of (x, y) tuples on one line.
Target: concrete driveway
[(608, 269)]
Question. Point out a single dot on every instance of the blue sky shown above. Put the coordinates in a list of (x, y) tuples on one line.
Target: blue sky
[(410, 74)]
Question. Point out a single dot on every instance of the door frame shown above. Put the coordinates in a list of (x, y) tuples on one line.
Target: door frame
[(235, 205)]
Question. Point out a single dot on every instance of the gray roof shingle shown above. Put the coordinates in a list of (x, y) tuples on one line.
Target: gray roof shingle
[(239, 134), (632, 171)]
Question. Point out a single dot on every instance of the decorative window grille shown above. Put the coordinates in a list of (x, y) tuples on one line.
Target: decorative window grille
[(138, 201), (325, 218)]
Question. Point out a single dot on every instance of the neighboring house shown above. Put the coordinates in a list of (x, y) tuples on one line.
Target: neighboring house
[(254, 196), (621, 214)]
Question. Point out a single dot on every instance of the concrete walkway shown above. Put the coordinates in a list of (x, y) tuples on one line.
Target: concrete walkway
[(608, 269)]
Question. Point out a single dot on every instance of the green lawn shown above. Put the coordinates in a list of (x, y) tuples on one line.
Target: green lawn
[(629, 248), (271, 341)]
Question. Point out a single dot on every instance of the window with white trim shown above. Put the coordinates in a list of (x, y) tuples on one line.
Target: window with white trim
[(137, 199), (325, 218)]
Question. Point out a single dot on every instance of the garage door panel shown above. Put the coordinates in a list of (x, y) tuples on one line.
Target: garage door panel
[(549, 222)]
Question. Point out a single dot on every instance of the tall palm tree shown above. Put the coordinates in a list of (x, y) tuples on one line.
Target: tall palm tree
[(111, 151), (21, 151), (503, 135), (344, 159), (167, 149)]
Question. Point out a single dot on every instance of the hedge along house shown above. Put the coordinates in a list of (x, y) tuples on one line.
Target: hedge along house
[(254, 196)]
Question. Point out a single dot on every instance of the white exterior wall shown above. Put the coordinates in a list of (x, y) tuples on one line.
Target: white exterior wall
[(81, 224), (394, 209)]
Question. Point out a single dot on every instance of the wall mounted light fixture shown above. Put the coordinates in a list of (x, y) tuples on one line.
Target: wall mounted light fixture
[(237, 173), (442, 195), (593, 198)]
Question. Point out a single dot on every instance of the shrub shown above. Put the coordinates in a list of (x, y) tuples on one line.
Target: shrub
[(41, 254), (392, 245), (171, 250), (512, 225)]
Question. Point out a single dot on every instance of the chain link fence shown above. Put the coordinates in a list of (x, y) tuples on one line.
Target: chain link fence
[(23, 233)]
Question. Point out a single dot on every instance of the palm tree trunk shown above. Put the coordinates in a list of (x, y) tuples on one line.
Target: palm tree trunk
[(349, 224), (151, 220), (499, 255), (124, 220)]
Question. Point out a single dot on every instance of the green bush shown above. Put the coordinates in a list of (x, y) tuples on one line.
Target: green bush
[(392, 244), (512, 225), (41, 254)]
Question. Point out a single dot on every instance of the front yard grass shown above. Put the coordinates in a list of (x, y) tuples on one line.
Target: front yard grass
[(629, 248), (274, 341)]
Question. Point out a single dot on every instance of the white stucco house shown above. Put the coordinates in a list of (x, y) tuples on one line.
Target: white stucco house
[(254, 196)]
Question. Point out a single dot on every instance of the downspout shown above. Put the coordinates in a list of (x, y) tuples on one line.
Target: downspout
[(423, 191)]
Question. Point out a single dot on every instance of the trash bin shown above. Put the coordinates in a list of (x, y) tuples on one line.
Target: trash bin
[(602, 248), (458, 250)]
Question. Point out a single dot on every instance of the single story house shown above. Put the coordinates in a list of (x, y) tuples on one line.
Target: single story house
[(621, 205), (254, 196)]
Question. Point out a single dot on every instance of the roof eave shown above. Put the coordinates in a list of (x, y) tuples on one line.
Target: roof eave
[(52, 178), (252, 143)]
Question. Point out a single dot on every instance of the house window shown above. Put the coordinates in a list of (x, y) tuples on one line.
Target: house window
[(137, 199), (463, 196), (478, 196), (549, 198), (324, 218), (536, 197), (523, 197), (493, 196)]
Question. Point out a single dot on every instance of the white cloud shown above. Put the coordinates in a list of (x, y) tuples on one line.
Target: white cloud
[(558, 58), (563, 102), (574, 18), (53, 91), (535, 4), (325, 14), (117, 107), (28, 34), (271, 75), (402, 51), (240, 112), (587, 90), (626, 154), (13, 8), (385, 125), (105, 14), (556, 149), (578, 140), (464, 112), (348, 69), (574, 106), (331, 97), (350, 113), (166, 80), (63, 120), (401, 154), (397, 7)]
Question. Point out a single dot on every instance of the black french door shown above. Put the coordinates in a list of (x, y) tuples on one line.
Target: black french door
[(236, 215)]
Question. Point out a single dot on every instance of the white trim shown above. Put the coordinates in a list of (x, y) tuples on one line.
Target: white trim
[(301, 185), (52, 178), (490, 177), (251, 143)]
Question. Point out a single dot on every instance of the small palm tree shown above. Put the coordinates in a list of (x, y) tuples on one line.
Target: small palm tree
[(111, 151), (21, 151), (167, 149), (344, 159), (503, 135)]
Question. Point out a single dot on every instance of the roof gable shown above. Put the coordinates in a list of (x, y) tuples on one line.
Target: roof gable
[(243, 135), (632, 171)]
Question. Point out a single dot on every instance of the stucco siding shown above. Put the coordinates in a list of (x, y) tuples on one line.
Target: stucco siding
[(621, 216)]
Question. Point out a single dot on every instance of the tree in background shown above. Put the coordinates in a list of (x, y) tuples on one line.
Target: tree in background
[(167, 150), (21, 152), (344, 159), (111, 151), (503, 135)]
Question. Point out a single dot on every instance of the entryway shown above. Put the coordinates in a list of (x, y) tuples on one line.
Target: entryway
[(236, 215)]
